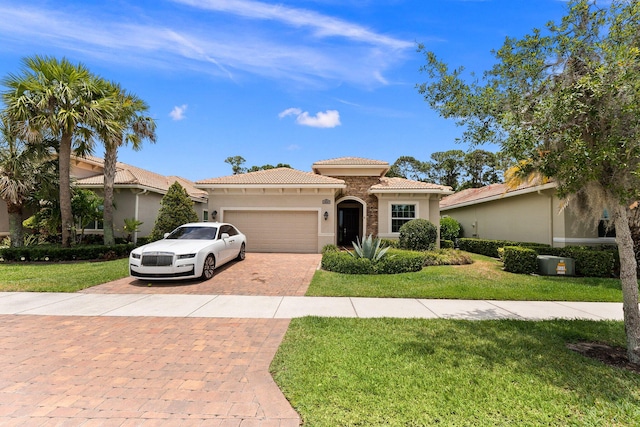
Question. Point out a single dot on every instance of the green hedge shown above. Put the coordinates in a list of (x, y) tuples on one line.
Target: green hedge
[(57, 253), (394, 262), (490, 247), (589, 262), (446, 244), (520, 260)]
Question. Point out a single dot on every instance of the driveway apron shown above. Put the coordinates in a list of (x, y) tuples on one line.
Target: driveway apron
[(152, 371), (259, 274)]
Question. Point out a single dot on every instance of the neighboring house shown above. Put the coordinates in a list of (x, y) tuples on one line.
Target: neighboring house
[(137, 194), (287, 210), (529, 213)]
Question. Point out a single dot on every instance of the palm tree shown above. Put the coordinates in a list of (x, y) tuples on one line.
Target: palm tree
[(22, 166), (65, 101), (134, 128)]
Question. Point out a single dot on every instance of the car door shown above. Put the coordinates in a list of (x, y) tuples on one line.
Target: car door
[(231, 243)]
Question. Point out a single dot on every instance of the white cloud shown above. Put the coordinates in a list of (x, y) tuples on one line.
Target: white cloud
[(290, 112), (326, 119), (178, 112), (324, 49), (322, 25)]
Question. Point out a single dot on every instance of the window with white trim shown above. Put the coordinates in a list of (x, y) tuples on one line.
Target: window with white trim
[(400, 215)]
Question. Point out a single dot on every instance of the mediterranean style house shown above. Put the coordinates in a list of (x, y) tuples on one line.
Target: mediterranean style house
[(281, 209), (287, 210), (529, 213), (137, 194)]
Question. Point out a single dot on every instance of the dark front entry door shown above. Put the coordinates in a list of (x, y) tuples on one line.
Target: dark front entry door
[(348, 225)]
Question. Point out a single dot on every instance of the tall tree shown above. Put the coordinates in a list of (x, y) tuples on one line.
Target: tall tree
[(446, 167), (176, 208), (62, 100), (567, 101), (236, 163), (22, 167), (410, 168), (132, 126), (481, 168)]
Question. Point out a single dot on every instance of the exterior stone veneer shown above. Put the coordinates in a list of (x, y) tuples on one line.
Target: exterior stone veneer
[(358, 186)]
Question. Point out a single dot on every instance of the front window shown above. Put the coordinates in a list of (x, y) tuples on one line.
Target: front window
[(193, 233), (400, 215)]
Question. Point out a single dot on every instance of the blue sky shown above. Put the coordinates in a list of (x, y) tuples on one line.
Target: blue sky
[(274, 82)]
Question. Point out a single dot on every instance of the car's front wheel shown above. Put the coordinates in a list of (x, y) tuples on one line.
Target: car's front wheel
[(241, 254), (208, 267)]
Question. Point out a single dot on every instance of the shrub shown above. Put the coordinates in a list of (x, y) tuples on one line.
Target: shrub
[(330, 248), (446, 244), (369, 248), (520, 260), (418, 235), (396, 261), (342, 262), (490, 247), (399, 261), (58, 253), (389, 243), (176, 208), (446, 257), (590, 262), (449, 229)]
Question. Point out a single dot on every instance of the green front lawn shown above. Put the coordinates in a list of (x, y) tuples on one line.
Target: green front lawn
[(484, 279), (401, 372), (60, 277)]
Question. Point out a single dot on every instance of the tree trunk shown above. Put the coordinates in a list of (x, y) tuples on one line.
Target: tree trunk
[(110, 160), (15, 225), (629, 281), (64, 162)]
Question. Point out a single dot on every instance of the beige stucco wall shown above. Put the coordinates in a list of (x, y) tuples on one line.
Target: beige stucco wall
[(427, 207), (531, 217), (279, 199)]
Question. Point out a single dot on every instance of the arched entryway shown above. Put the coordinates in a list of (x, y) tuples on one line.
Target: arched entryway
[(350, 221)]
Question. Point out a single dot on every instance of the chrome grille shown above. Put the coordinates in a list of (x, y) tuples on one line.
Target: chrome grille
[(157, 260)]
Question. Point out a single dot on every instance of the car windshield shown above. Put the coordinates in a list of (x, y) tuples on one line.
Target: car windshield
[(194, 233)]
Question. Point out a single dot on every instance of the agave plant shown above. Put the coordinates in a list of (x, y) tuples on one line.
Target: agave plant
[(369, 248)]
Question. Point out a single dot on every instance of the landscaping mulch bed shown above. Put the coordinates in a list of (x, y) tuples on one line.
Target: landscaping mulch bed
[(612, 356)]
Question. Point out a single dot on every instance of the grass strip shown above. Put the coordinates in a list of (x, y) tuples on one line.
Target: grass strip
[(484, 279), (60, 277), (410, 372)]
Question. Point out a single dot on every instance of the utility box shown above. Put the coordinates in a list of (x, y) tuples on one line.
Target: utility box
[(549, 265)]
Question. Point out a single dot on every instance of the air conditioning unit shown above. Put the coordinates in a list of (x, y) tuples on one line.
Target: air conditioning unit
[(549, 265)]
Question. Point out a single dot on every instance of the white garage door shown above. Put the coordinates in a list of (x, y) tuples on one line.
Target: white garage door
[(277, 231)]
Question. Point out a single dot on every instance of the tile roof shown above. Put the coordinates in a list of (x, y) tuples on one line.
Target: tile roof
[(487, 193), (400, 184), (351, 161), (127, 175), (276, 176)]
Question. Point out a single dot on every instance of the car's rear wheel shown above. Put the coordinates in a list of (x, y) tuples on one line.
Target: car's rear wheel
[(241, 254), (208, 267)]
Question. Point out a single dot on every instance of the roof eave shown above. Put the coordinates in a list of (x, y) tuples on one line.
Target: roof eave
[(527, 190)]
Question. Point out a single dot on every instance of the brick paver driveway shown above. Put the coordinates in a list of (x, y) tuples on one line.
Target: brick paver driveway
[(154, 371), (258, 274)]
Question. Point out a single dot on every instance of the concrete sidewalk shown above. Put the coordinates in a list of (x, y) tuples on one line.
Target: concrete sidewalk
[(288, 307)]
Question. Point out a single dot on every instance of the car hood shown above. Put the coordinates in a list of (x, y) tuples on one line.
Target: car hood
[(176, 246)]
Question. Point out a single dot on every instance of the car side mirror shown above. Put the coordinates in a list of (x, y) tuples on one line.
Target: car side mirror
[(224, 236), (166, 234)]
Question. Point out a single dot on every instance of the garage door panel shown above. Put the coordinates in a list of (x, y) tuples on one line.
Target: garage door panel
[(277, 231)]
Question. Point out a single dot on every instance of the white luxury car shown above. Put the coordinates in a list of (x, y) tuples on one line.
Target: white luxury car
[(190, 251)]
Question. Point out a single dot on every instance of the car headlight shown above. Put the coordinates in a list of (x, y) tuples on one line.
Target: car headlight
[(185, 256), (136, 256)]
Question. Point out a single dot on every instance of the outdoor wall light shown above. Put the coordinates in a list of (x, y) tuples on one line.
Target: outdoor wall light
[(326, 215), (215, 213)]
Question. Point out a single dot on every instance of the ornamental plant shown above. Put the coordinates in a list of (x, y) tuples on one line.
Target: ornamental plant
[(369, 248)]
